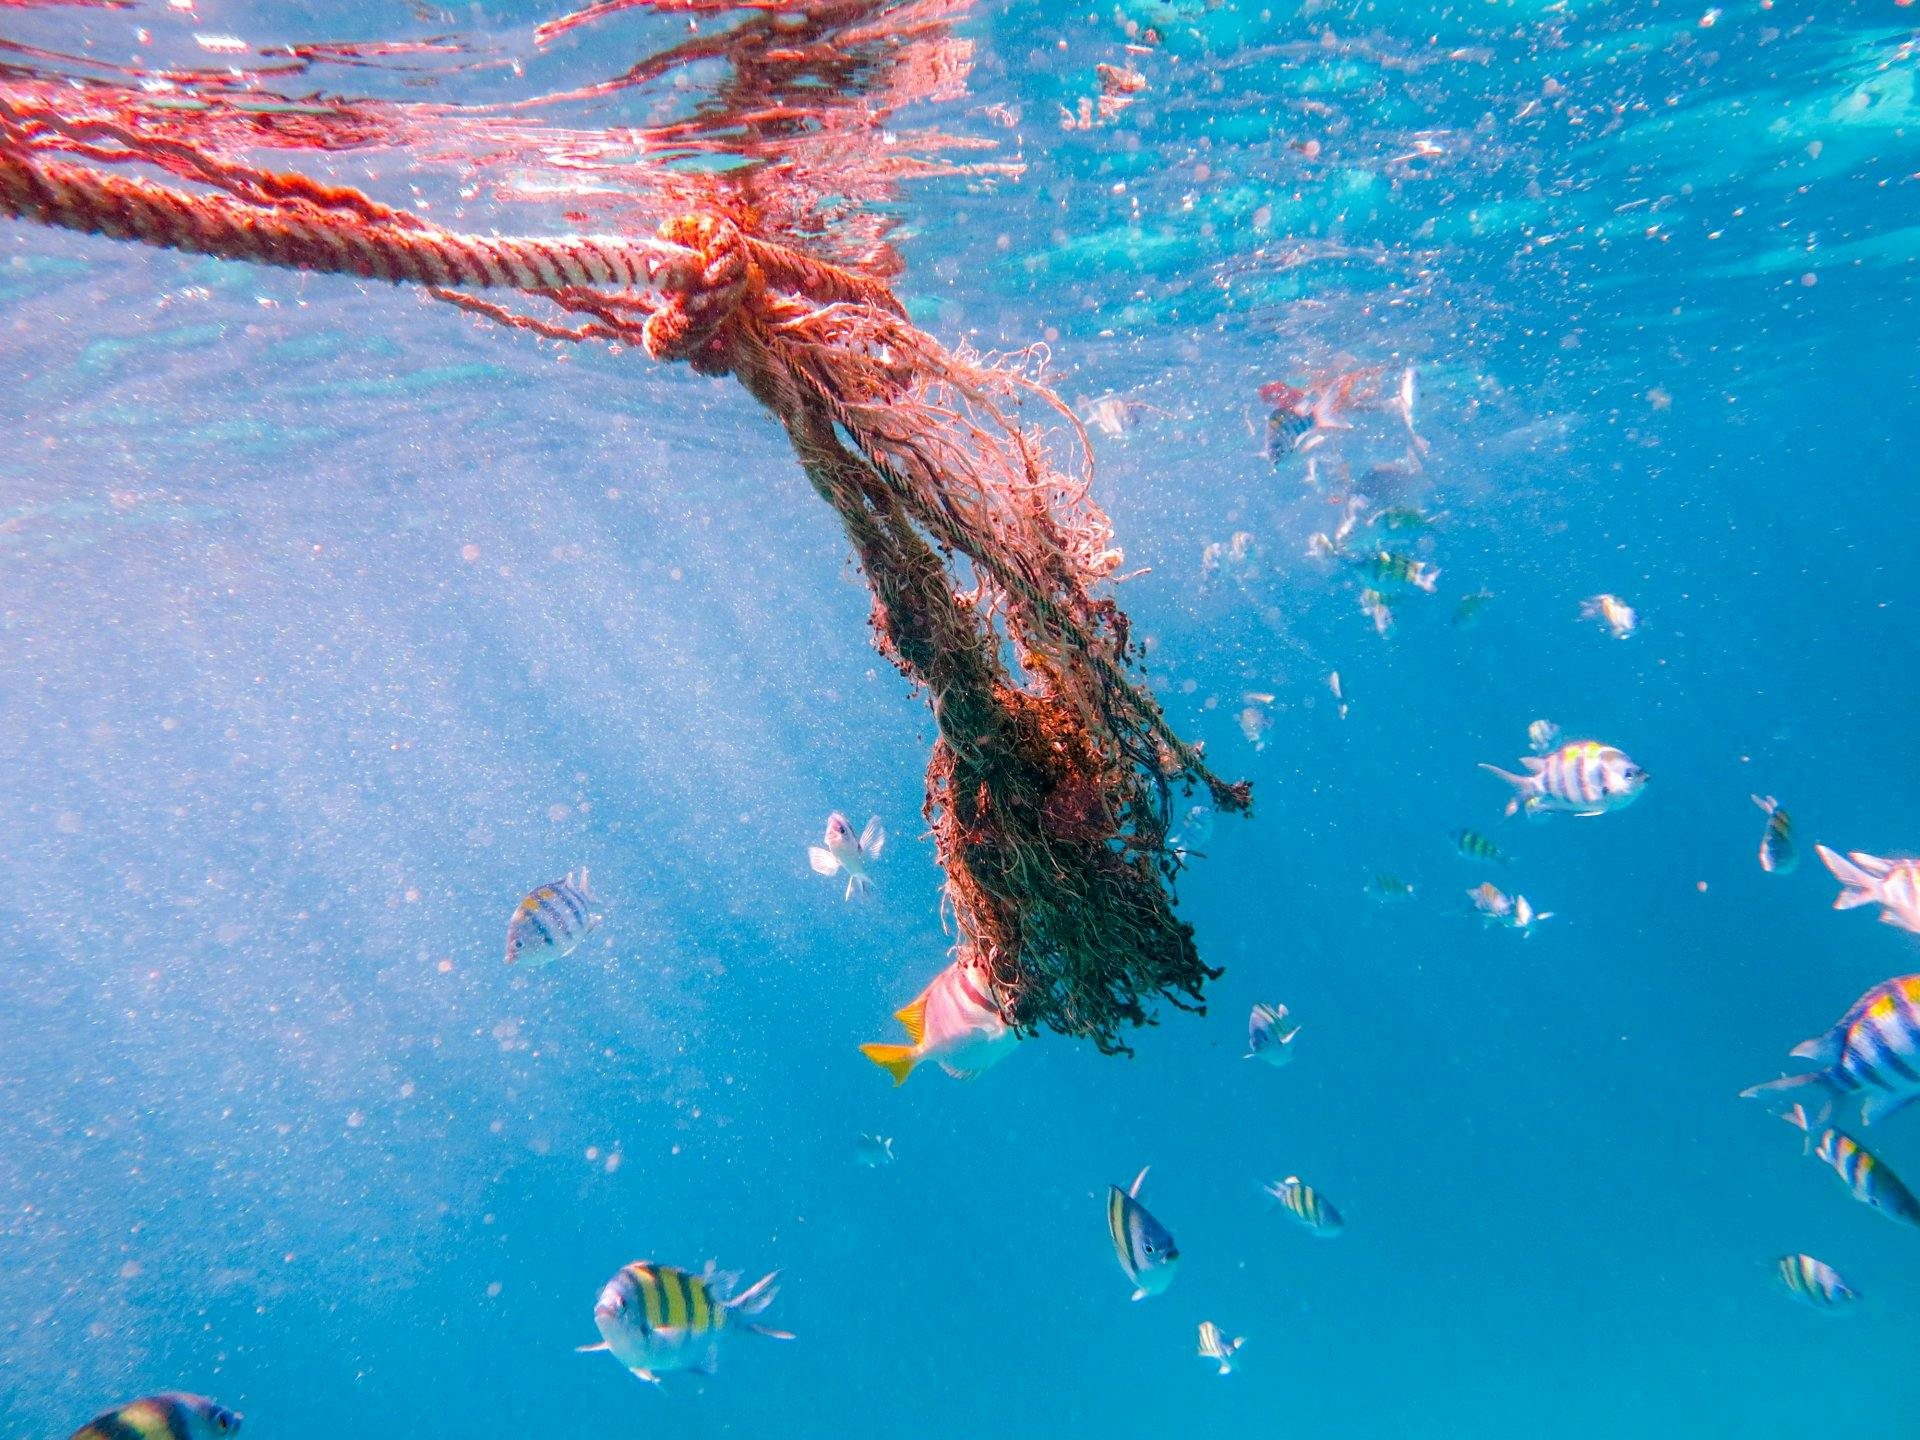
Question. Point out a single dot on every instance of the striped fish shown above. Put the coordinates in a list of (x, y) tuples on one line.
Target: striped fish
[(1267, 1039), (1389, 889), (1475, 846), (1867, 1176), (170, 1416), (1815, 1282), (1308, 1206), (1216, 1346), (655, 1319), (1390, 569), (1894, 885), (1872, 1054), (1142, 1244), (1778, 854), (552, 921), (1582, 777)]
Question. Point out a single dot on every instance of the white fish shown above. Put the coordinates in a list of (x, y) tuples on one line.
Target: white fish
[(843, 851), (1543, 735), (1267, 1037), (1497, 907), (1815, 1283), (1612, 611), (1582, 777), (1894, 885), (1216, 1346), (954, 1022), (551, 921)]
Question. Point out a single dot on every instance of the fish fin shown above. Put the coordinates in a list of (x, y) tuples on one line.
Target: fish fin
[(1790, 1083), (1133, 1190), (1517, 781), (1766, 802), (914, 1017), (646, 1375), (771, 1333), (1878, 1107), (1138, 1295), (897, 1060), (1427, 580), (757, 1296), (579, 881), (873, 839), (1872, 864), (1861, 885), (957, 1073), (859, 884), (1901, 919), (593, 1349), (822, 861), (1822, 1050)]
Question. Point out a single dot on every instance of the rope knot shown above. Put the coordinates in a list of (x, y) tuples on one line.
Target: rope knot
[(702, 292)]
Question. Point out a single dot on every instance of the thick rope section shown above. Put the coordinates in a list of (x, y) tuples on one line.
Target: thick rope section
[(1049, 789)]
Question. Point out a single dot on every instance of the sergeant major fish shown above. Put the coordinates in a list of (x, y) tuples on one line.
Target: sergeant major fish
[(1141, 1243), (655, 1319), (1582, 777), (550, 923), (955, 1022), (1778, 854), (1815, 1283), (842, 851), (1867, 1176), (1266, 1038), (1872, 1054), (1308, 1206), (1475, 846), (1390, 568), (172, 1415), (1894, 885), (1216, 1346)]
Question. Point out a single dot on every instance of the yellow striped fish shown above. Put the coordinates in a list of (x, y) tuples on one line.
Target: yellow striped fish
[(1142, 1244), (655, 1319), (1815, 1282), (1872, 1054), (1308, 1206), (1867, 1176), (170, 1416), (551, 921), (1216, 1346), (1582, 777)]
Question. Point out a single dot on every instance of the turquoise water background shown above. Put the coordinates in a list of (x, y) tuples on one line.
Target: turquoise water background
[(331, 622)]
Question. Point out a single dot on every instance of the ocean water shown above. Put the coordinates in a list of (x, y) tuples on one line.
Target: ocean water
[(332, 621)]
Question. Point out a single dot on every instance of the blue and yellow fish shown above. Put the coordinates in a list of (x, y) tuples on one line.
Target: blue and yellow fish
[(1582, 777), (1142, 1244), (1872, 1054), (169, 1416), (550, 923), (655, 1319), (1867, 1176), (1308, 1206), (1815, 1282)]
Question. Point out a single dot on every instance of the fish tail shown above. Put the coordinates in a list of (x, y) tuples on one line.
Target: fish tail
[(1820, 1079), (858, 883), (1861, 887), (757, 1296), (897, 1060), (1427, 579)]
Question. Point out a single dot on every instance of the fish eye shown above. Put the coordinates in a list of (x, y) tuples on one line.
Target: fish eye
[(226, 1422)]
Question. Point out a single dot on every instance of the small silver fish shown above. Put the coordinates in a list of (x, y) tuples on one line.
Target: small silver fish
[(1308, 1206), (1216, 1346), (842, 851), (1815, 1283), (873, 1151), (1267, 1037), (1377, 608), (1778, 854), (551, 921), (1142, 1244), (1543, 735)]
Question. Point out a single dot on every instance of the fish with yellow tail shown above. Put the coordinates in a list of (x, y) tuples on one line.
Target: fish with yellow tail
[(1893, 885), (1778, 854), (954, 1022), (845, 851), (169, 1416), (1215, 1346), (1870, 1055), (1582, 777), (1141, 1243), (1866, 1175), (655, 1319)]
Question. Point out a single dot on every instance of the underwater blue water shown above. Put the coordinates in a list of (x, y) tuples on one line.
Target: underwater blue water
[(331, 622)]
